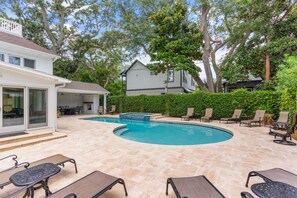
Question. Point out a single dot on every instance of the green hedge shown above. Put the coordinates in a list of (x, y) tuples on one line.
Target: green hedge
[(176, 104)]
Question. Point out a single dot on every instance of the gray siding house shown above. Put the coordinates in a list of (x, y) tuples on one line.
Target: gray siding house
[(140, 80)]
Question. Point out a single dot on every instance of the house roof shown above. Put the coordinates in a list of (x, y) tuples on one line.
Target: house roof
[(83, 87), (20, 41), (125, 71)]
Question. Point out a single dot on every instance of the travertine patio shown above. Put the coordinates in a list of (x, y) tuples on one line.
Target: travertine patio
[(145, 167)]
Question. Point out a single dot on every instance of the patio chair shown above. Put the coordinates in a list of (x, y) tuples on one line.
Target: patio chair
[(275, 174), (282, 122), (55, 159), (190, 114), (259, 117), (113, 109), (285, 134), (193, 187), (235, 117), (100, 110), (92, 185), (208, 115)]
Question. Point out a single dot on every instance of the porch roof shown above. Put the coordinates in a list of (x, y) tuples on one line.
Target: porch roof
[(32, 72), (83, 87)]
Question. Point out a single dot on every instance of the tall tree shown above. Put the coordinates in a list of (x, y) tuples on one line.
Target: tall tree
[(176, 42), (279, 25)]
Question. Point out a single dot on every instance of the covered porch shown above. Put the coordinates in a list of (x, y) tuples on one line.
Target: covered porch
[(80, 97)]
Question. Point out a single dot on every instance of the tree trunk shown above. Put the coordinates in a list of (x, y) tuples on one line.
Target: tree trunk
[(206, 47), (267, 60), (200, 83)]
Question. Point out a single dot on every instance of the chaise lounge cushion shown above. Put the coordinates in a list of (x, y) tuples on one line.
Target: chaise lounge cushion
[(194, 187), (92, 185)]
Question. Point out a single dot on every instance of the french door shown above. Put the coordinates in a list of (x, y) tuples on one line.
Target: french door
[(12, 105)]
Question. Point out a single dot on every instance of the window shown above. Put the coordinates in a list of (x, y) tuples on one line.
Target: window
[(2, 57), (192, 81), (185, 80), (153, 73), (15, 60), (170, 75), (29, 63)]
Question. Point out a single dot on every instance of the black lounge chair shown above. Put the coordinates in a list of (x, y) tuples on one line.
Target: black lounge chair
[(92, 185), (275, 174), (235, 117), (55, 159), (193, 187), (259, 117), (285, 134)]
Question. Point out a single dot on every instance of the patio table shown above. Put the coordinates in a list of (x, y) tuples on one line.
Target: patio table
[(39, 174), (274, 190)]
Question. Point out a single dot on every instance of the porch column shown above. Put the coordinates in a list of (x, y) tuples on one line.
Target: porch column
[(104, 103)]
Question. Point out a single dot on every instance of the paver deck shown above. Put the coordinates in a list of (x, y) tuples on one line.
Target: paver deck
[(145, 167)]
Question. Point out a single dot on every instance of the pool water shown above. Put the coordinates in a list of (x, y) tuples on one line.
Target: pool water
[(166, 133)]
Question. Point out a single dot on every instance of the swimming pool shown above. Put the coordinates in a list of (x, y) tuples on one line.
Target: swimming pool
[(166, 133)]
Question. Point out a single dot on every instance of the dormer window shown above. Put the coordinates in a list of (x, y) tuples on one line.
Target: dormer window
[(2, 57), (29, 63), (15, 60)]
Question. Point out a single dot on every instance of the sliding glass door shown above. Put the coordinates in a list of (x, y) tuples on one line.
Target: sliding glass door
[(12, 109), (37, 108)]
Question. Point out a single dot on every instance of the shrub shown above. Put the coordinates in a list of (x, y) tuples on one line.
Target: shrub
[(176, 104)]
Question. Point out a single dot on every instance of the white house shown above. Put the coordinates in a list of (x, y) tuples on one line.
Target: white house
[(140, 80), (28, 88)]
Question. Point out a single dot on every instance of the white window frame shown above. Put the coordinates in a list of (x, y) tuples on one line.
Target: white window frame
[(29, 59), (4, 55), (168, 72), (9, 55)]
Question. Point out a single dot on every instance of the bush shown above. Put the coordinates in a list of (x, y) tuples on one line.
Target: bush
[(223, 103)]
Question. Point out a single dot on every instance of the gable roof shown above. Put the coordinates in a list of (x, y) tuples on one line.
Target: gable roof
[(125, 71), (20, 41), (77, 86)]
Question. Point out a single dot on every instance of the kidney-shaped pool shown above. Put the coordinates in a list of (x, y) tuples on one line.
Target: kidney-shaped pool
[(166, 133)]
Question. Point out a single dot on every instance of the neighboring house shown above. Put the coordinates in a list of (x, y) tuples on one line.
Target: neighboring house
[(140, 80), (250, 84), (28, 88)]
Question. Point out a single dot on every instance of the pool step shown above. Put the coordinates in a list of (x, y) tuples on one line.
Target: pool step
[(30, 139)]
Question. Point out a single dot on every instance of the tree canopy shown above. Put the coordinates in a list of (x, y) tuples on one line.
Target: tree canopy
[(95, 38), (176, 42)]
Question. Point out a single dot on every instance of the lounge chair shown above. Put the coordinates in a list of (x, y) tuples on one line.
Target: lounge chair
[(100, 110), (235, 117), (285, 134), (113, 109), (55, 159), (92, 185), (275, 174), (259, 117), (208, 115), (190, 114), (282, 122), (193, 187)]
